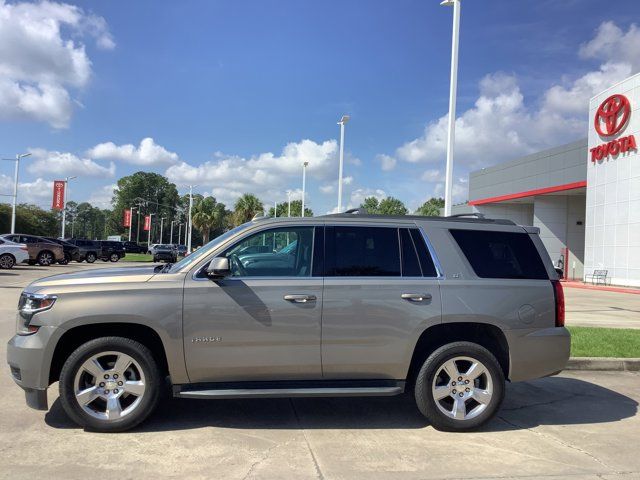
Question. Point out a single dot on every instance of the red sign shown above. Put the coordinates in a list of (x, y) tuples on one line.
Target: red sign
[(127, 218), (58, 195), (612, 115), (147, 223)]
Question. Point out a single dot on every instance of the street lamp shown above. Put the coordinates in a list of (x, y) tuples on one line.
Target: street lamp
[(15, 188), (289, 203), (190, 224), (179, 232), (342, 123), (66, 199), (451, 133), (149, 235), (131, 220), (171, 232), (304, 183), (161, 225)]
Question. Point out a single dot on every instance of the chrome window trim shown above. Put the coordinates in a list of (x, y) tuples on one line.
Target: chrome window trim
[(434, 256)]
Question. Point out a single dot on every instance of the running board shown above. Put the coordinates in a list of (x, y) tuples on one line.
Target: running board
[(272, 391)]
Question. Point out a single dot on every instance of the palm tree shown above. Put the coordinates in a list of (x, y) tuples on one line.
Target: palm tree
[(247, 207), (208, 215)]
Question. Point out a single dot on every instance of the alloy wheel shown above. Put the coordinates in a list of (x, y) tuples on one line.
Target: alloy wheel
[(109, 385), (6, 261), (45, 259), (462, 388)]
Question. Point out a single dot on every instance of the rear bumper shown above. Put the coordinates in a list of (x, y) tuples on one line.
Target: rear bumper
[(535, 353)]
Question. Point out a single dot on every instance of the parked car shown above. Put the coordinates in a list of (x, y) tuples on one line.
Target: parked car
[(89, 250), (71, 252), (41, 251), (182, 250), (111, 251), (133, 247), (151, 248), (444, 308), (12, 253), (165, 253)]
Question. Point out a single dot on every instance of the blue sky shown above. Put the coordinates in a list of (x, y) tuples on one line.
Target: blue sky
[(234, 95)]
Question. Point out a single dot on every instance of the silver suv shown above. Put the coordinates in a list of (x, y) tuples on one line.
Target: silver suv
[(340, 305)]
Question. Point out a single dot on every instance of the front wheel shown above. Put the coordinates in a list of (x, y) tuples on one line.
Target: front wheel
[(65, 260), (45, 258), (7, 261), (459, 387), (110, 384), (114, 257), (91, 257)]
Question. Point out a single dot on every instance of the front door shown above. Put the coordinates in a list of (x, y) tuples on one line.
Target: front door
[(262, 322)]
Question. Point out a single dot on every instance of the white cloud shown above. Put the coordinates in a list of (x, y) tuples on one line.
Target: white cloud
[(37, 192), (359, 194), (347, 180), (328, 188), (101, 198), (266, 175), (41, 58), (458, 191), (63, 163), (148, 153), (387, 162), (502, 126), (432, 175)]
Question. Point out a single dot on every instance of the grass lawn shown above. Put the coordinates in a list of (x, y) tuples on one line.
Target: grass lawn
[(137, 257), (605, 342)]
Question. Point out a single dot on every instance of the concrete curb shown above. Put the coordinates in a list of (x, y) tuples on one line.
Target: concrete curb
[(604, 364)]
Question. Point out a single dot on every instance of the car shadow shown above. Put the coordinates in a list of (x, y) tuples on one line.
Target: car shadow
[(548, 401)]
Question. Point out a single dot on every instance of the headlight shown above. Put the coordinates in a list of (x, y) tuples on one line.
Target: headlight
[(28, 305)]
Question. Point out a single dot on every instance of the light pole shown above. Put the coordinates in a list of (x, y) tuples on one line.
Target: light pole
[(131, 220), (64, 203), (342, 123), (138, 227), (304, 183), (451, 133), (161, 225), (149, 235), (15, 188), (275, 209), (289, 202), (190, 222), (179, 232), (171, 232)]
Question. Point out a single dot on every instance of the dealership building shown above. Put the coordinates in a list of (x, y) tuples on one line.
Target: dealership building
[(584, 196)]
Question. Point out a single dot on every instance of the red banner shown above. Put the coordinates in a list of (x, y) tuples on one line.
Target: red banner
[(147, 223), (127, 217), (58, 195)]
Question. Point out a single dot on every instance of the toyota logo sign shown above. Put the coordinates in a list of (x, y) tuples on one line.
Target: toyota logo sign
[(612, 115)]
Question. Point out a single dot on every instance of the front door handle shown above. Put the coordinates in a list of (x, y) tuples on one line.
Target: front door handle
[(416, 297), (299, 298)]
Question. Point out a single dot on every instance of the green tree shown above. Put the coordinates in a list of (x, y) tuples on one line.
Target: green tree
[(296, 209), (386, 206), (30, 219), (150, 192), (208, 215), (247, 207), (431, 207)]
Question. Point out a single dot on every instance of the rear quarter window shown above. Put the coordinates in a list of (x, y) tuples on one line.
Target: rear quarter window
[(501, 254)]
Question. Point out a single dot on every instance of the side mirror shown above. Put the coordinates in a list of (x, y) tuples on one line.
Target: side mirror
[(219, 267)]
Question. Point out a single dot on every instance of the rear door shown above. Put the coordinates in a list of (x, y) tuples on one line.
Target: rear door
[(381, 291)]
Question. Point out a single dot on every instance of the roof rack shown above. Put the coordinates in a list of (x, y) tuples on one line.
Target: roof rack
[(357, 211), (462, 215)]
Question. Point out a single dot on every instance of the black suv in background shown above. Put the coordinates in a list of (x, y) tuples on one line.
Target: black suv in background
[(133, 247), (71, 252), (90, 250), (111, 250), (166, 253)]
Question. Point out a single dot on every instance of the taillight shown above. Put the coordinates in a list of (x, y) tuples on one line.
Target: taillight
[(558, 293), (24, 247)]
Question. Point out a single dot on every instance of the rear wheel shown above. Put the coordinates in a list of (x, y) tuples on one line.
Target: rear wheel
[(45, 258), (91, 257), (65, 260), (7, 261), (114, 257), (459, 387), (110, 384)]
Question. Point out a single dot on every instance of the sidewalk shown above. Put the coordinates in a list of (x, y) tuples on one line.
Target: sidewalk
[(602, 288)]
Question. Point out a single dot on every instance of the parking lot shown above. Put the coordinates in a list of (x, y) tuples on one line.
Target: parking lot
[(575, 425)]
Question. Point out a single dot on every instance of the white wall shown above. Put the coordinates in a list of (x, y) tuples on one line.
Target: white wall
[(612, 236), (519, 213)]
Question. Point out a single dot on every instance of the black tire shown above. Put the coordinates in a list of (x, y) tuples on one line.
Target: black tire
[(141, 354), (114, 257), (91, 257), (155, 260), (7, 261), (45, 258), (65, 260), (432, 366)]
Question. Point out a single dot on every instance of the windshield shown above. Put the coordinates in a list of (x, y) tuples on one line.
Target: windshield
[(203, 251)]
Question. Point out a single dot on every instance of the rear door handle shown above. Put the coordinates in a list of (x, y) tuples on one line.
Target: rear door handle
[(416, 297), (299, 298)]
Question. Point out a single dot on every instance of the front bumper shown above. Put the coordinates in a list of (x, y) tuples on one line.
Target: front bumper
[(29, 360), (535, 353)]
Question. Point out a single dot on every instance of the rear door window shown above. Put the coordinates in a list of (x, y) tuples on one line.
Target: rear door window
[(362, 252), (500, 254)]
